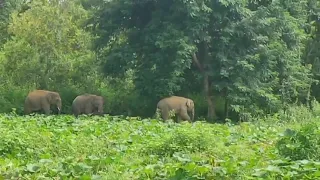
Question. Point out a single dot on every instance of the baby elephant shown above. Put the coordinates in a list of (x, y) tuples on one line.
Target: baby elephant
[(179, 105), (87, 104)]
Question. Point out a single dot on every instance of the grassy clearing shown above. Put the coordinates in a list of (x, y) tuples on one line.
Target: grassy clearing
[(128, 148)]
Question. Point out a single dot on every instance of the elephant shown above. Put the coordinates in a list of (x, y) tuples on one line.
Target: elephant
[(42, 100), (87, 104), (180, 105)]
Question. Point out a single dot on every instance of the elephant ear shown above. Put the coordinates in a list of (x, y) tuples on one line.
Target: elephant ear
[(189, 103), (49, 97), (93, 100), (52, 97)]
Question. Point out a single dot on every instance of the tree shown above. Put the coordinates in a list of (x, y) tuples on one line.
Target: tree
[(47, 48), (247, 51), (48, 45), (6, 8), (312, 55)]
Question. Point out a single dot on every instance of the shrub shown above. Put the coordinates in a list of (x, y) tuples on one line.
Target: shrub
[(181, 140), (114, 147), (12, 97), (300, 144)]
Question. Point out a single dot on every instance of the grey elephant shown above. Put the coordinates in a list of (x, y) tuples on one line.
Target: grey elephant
[(87, 104), (179, 105), (42, 100)]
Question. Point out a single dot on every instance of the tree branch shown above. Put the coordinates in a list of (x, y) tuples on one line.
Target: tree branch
[(196, 61)]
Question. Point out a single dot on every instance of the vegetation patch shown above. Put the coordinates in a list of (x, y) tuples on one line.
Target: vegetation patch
[(114, 147)]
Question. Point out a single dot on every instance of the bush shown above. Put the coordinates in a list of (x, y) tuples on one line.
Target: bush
[(186, 140), (134, 148), (12, 97), (301, 144)]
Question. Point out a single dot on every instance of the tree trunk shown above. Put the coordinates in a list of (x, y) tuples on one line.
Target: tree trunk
[(211, 109), (45, 74), (206, 83), (226, 105)]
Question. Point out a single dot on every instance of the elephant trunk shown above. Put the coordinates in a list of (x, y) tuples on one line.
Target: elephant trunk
[(192, 115), (59, 107), (100, 110)]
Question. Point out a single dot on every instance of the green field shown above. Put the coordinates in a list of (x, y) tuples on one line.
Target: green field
[(110, 147)]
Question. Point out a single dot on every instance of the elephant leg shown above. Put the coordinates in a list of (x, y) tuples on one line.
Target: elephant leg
[(46, 109), (76, 113), (164, 114), (178, 118), (184, 115), (27, 110), (88, 110), (96, 112)]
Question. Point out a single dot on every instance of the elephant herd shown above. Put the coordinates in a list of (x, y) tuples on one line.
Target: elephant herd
[(41, 100)]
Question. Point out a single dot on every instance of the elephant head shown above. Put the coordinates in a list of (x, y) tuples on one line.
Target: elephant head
[(190, 108), (54, 99), (97, 103)]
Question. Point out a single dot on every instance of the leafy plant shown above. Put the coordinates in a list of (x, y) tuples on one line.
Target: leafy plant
[(117, 147), (300, 144)]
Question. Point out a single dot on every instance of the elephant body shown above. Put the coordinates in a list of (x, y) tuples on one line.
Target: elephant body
[(42, 100), (180, 105), (87, 104)]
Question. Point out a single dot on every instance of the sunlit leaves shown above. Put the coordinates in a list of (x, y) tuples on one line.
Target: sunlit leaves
[(130, 148), (58, 46), (6, 8)]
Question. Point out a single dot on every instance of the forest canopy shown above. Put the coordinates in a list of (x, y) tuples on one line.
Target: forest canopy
[(235, 59)]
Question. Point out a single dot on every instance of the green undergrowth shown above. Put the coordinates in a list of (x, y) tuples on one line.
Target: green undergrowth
[(111, 147)]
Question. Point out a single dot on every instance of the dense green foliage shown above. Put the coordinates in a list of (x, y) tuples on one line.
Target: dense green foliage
[(244, 60), (237, 60), (248, 52), (114, 147)]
